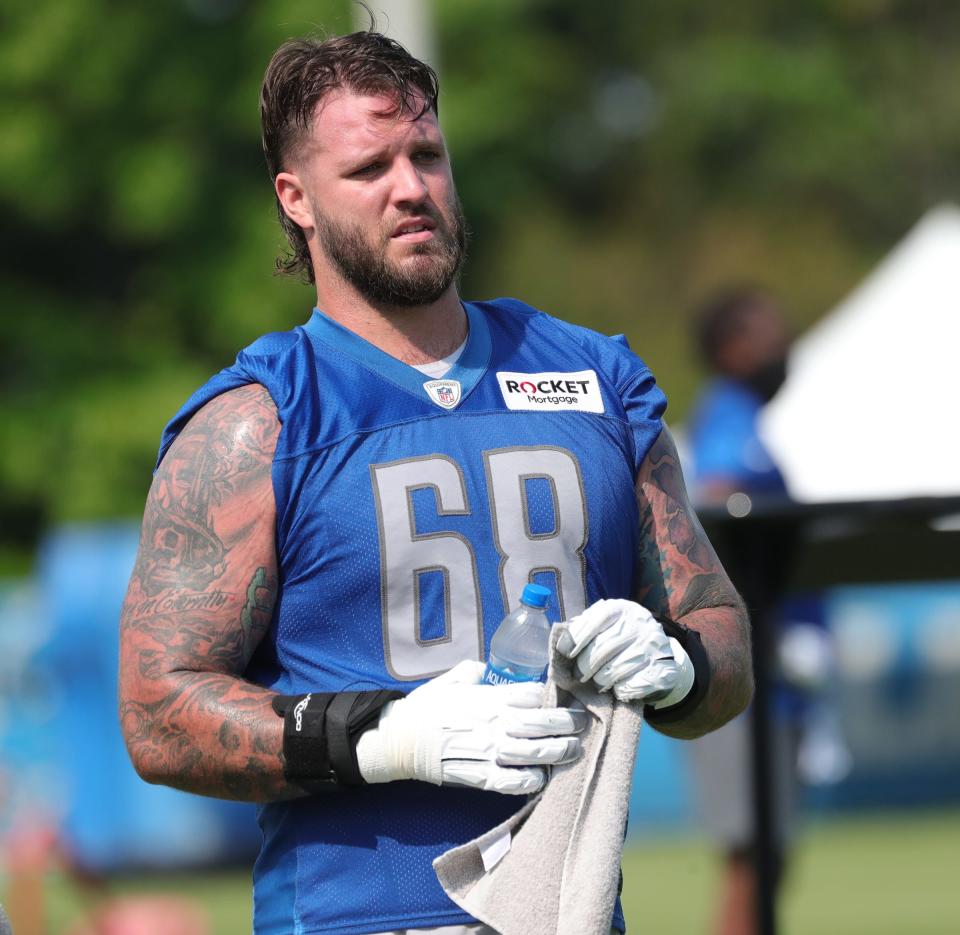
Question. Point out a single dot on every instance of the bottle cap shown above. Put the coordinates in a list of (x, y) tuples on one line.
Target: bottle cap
[(535, 595)]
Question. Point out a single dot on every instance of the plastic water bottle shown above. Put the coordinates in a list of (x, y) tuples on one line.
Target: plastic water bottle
[(520, 649)]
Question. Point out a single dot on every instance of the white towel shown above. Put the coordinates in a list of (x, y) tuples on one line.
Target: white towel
[(553, 868)]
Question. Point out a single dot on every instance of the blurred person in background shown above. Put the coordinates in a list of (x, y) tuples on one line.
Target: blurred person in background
[(743, 340), (34, 852), (342, 515)]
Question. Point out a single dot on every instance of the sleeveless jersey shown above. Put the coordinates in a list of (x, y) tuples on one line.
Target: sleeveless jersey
[(410, 514)]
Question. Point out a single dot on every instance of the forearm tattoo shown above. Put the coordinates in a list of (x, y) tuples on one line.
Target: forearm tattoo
[(680, 576), (200, 600)]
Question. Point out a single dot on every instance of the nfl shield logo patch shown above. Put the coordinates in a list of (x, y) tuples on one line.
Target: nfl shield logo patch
[(445, 393)]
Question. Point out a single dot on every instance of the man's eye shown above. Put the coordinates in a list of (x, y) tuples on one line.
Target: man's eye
[(367, 171), (427, 155)]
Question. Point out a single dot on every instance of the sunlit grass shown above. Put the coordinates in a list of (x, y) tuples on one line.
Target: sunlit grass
[(878, 875)]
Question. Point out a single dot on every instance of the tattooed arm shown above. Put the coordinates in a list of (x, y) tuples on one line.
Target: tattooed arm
[(681, 577), (200, 599)]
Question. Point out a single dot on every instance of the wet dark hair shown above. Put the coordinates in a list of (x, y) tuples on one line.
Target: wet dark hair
[(723, 316), (302, 73)]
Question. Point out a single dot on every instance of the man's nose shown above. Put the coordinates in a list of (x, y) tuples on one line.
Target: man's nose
[(408, 184)]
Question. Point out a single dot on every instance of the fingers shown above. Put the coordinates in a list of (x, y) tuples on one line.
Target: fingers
[(510, 780), (652, 683), (622, 667), (547, 751), (606, 646), (565, 641), (584, 627), (545, 722), (620, 646)]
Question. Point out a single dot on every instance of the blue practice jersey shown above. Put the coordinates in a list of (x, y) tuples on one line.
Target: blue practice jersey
[(410, 514), (725, 444)]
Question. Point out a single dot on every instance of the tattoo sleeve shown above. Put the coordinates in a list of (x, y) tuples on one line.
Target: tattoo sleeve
[(200, 599), (680, 576)]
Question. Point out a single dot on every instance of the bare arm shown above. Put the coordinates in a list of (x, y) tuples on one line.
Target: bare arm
[(681, 577), (200, 599)]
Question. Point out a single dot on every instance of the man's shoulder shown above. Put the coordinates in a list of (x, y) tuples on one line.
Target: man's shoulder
[(280, 360), (273, 344), (246, 400), (521, 314), (253, 387), (530, 323)]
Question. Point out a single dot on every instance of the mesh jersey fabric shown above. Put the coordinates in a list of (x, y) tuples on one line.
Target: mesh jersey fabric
[(405, 531)]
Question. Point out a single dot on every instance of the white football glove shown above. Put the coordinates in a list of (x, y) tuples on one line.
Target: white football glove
[(453, 730), (621, 646)]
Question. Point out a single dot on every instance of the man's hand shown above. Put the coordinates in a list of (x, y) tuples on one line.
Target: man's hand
[(455, 731), (622, 647)]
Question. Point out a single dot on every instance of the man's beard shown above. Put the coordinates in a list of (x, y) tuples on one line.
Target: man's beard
[(365, 265)]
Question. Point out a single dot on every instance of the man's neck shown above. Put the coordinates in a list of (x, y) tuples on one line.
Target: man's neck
[(415, 335)]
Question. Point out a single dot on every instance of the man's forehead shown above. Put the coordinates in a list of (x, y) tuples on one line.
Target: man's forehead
[(356, 117)]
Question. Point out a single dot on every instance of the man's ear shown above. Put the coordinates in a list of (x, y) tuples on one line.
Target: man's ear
[(294, 199)]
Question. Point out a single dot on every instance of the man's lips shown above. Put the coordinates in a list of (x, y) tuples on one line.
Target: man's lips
[(414, 230)]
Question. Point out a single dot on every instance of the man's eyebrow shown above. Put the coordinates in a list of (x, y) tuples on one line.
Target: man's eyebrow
[(372, 152), (363, 156)]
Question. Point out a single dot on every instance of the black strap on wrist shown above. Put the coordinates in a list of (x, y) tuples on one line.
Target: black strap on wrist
[(320, 733), (693, 645)]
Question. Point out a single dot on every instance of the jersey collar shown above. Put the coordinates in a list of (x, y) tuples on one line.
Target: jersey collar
[(468, 369)]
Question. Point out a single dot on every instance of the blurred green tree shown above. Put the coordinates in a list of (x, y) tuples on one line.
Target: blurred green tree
[(616, 163)]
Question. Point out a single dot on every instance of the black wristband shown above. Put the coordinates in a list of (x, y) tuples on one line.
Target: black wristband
[(320, 733), (693, 645)]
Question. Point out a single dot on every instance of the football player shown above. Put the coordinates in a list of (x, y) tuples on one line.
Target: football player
[(338, 522)]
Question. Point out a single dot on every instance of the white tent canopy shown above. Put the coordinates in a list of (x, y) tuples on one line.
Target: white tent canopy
[(870, 408)]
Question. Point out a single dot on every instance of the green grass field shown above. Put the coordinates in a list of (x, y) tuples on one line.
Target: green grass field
[(889, 875), (892, 875)]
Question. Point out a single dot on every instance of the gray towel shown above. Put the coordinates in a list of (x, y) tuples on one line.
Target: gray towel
[(553, 868)]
